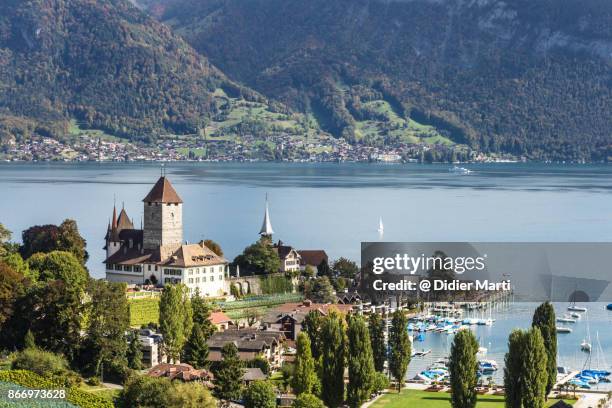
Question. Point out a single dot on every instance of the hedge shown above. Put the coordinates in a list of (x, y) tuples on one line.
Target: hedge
[(75, 396)]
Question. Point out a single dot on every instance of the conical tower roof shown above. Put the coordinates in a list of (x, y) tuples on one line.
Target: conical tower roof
[(163, 192), (266, 227)]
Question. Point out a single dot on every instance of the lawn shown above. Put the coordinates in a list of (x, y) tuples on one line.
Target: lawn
[(143, 311), (424, 399)]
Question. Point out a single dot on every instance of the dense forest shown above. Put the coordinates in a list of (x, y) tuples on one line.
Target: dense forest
[(528, 77), (104, 63)]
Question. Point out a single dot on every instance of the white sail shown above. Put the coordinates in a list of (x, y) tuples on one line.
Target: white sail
[(381, 227)]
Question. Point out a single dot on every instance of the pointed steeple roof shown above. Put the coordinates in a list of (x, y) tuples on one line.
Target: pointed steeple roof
[(266, 227), (163, 192), (114, 222), (124, 222)]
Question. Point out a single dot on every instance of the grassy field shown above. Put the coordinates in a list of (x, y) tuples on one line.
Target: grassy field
[(424, 399), (143, 311)]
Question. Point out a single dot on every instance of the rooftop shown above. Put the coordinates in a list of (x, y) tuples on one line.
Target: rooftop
[(163, 192)]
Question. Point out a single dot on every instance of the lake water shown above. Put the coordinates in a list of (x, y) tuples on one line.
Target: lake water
[(329, 206), (335, 207)]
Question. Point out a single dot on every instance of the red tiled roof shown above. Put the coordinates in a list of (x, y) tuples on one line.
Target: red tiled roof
[(219, 317), (312, 257), (163, 192)]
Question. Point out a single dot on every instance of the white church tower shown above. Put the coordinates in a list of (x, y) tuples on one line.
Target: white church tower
[(266, 227), (163, 216)]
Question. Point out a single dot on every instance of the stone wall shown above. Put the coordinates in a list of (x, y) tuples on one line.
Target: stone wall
[(163, 224)]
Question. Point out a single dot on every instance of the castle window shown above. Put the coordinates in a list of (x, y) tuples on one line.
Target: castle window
[(212, 278), (149, 267), (190, 280), (221, 277), (197, 280), (137, 268), (204, 279)]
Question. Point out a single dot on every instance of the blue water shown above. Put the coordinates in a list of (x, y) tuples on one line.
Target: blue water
[(329, 206)]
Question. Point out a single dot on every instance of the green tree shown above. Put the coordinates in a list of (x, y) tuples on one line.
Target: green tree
[(312, 326), (195, 351), (213, 246), (305, 376), (190, 395), (5, 236), (145, 391), (345, 268), (108, 321), (323, 269), (545, 319), (59, 265), (463, 368), (377, 339), (513, 368), (319, 290), (15, 261), (228, 376), (29, 341), (307, 401), (309, 271), (534, 370), (400, 348), (381, 382), (260, 394), (12, 287), (49, 238), (333, 355), (259, 258), (201, 314), (134, 352), (43, 363), (175, 319), (360, 362)]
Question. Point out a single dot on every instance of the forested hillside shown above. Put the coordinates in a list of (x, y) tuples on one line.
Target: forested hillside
[(105, 64), (530, 77)]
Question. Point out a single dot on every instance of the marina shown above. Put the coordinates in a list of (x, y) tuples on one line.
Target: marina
[(586, 368)]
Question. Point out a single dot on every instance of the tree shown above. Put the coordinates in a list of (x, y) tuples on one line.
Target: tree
[(201, 314), (5, 236), (463, 368), (305, 400), (305, 376), (175, 319), (190, 395), (400, 348), (49, 238), (534, 370), (544, 318), (228, 376), (16, 262), (213, 246), (323, 269), (512, 369), (195, 351), (333, 354), (309, 272), (145, 391), (43, 363), (312, 327), (59, 265), (29, 341), (360, 362), (377, 340), (134, 352), (108, 321), (259, 258), (12, 287), (319, 290), (260, 394), (381, 382), (345, 268)]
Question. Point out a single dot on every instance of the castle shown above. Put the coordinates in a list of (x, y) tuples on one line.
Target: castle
[(156, 254)]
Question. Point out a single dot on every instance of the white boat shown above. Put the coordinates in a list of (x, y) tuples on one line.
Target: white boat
[(575, 315), (562, 329), (381, 227), (459, 170), (566, 319), (575, 308)]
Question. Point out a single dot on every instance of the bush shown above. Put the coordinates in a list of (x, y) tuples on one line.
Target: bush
[(260, 394), (381, 382), (74, 395), (306, 400), (40, 362)]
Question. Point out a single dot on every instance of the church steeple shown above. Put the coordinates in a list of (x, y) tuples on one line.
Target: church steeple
[(266, 227)]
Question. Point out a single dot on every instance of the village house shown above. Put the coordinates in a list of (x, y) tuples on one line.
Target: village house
[(156, 254), (288, 318), (221, 321), (251, 343), (313, 258), (183, 372)]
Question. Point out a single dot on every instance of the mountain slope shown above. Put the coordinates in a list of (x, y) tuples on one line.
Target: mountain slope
[(106, 64), (522, 76)]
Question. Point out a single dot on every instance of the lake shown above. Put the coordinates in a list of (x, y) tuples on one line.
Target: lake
[(328, 206)]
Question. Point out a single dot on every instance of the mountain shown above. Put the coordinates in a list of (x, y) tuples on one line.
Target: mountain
[(104, 64), (530, 77)]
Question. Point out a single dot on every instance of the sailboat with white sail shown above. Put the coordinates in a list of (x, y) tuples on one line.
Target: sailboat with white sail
[(381, 227)]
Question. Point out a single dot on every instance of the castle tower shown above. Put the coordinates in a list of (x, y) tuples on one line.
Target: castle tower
[(266, 227), (112, 236), (163, 216)]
